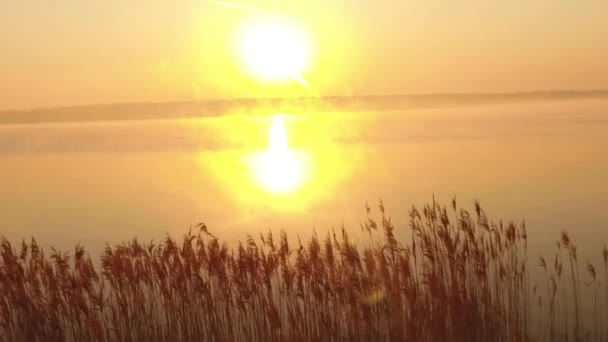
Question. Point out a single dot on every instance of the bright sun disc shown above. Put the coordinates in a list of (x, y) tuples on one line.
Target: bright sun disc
[(274, 50)]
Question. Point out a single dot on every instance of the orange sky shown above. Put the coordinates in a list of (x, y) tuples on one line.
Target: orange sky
[(56, 53)]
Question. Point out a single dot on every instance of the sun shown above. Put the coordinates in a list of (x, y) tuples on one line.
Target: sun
[(275, 50), (278, 169)]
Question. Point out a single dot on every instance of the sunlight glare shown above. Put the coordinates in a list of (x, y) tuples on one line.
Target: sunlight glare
[(278, 169)]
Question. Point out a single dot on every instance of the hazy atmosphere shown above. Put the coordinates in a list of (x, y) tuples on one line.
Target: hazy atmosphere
[(360, 133), (72, 53)]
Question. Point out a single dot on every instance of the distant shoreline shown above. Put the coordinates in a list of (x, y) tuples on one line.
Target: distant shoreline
[(220, 107)]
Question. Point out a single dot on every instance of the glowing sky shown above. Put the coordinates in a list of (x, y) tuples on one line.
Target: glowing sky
[(57, 53)]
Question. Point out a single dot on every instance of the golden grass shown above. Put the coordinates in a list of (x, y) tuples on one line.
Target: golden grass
[(460, 277)]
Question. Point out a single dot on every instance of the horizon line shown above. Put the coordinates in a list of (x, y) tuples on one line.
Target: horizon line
[(56, 114)]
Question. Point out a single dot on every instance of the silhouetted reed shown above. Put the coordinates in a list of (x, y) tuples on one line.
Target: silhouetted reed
[(459, 277)]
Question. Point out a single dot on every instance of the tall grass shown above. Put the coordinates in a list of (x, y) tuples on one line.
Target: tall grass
[(460, 277)]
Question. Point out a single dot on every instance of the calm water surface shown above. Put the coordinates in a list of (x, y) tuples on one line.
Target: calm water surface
[(111, 181)]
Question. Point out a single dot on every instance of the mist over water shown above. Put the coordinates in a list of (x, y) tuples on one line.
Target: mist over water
[(110, 181)]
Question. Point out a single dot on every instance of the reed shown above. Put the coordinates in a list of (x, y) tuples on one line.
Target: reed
[(459, 276)]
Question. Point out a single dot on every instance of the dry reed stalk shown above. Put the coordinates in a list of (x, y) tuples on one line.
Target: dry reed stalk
[(460, 277)]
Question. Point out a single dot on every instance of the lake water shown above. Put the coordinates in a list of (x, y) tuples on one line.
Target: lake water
[(545, 162)]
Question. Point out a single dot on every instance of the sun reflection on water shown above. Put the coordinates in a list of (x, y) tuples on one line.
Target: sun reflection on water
[(279, 169), (286, 162)]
